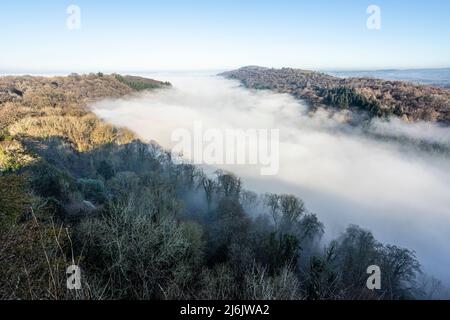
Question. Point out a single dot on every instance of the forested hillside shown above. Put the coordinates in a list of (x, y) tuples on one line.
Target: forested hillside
[(75, 190), (377, 98)]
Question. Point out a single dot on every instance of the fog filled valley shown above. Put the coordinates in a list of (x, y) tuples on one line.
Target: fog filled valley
[(88, 178), (390, 177)]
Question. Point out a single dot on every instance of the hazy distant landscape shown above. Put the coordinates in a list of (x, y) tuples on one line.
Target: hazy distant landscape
[(432, 77)]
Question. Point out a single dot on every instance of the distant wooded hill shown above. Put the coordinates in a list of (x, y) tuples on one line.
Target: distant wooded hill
[(380, 98)]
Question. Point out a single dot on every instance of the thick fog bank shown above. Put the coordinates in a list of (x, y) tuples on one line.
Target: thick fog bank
[(400, 193)]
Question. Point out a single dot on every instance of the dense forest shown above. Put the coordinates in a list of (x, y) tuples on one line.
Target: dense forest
[(75, 190), (376, 97)]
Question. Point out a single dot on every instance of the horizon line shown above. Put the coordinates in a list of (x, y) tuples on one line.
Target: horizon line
[(11, 71)]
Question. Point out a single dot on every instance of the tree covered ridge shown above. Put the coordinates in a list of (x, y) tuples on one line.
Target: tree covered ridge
[(377, 97), (140, 83), (74, 189)]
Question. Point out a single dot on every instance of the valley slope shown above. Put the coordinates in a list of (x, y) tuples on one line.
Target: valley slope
[(377, 98)]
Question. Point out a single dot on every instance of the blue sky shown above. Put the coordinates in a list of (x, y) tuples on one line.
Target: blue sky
[(148, 35)]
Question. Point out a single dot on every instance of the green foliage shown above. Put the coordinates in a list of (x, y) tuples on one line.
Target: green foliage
[(50, 209), (140, 84), (4, 136), (345, 97), (278, 250), (14, 199), (93, 190), (106, 169), (48, 181), (323, 281), (229, 225), (229, 185), (8, 162), (12, 154)]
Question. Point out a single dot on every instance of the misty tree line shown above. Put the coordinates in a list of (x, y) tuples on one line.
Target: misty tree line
[(142, 227)]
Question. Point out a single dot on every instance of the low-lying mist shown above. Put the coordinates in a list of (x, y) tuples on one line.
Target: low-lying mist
[(344, 174)]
